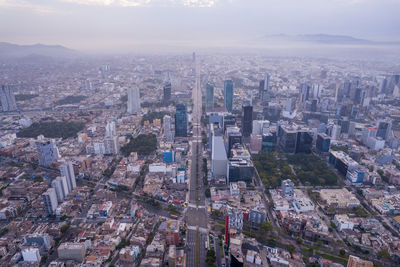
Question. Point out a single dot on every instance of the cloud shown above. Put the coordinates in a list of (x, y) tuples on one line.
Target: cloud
[(146, 3), (23, 4)]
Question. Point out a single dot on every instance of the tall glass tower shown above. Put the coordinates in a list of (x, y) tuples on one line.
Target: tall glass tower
[(209, 96), (180, 121), (228, 95)]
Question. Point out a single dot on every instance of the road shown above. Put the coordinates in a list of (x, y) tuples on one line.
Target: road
[(196, 214)]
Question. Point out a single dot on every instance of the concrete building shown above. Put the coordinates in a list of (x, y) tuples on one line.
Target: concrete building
[(111, 145), (355, 261), (31, 255), (7, 98), (323, 142), (168, 135), (111, 129), (133, 100), (67, 170), (293, 139), (219, 160), (342, 222), (50, 201), (72, 251), (47, 153), (57, 184), (287, 187)]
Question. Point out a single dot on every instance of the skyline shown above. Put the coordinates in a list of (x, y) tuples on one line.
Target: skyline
[(110, 25)]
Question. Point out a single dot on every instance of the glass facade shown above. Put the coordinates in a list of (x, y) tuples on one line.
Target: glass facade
[(180, 121), (228, 95)]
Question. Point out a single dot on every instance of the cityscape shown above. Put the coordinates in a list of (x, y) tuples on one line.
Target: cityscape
[(199, 156)]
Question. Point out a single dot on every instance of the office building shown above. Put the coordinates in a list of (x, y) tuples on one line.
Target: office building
[(384, 129), (168, 135), (167, 88), (44, 240), (180, 121), (133, 100), (269, 142), (50, 201), (7, 98), (111, 145), (347, 166), (323, 142), (255, 143), (209, 96), (228, 95), (247, 120), (294, 139), (219, 159), (72, 251), (260, 127), (264, 93), (240, 166), (67, 170), (47, 153), (287, 187), (232, 136), (111, 129), (31, 255)]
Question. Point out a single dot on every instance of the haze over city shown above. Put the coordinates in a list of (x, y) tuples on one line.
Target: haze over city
[(119, 25)]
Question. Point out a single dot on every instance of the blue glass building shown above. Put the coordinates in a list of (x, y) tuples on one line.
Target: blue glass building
[(228, 95), (180, 121)]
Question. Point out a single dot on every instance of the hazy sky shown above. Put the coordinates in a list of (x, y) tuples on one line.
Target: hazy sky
[(102, 24)]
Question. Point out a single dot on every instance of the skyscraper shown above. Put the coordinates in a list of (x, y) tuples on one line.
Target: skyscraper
[(167, 88), (264, 91), (384, 129), (228, 95), (168, 136), (133, 100), (47, 153), (209, 96), (67, 170), (57, 185), (111, 129), (180, 121), (50, 201), (247, 120), (7, 98)]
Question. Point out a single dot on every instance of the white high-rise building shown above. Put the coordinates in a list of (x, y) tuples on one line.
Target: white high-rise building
[(133, 100), (50, 201), (58, 186), (111, 129), (47, 153), (7, 98), (64, 184), (31, 255), (167, 128), (67, 170), (111, 145)]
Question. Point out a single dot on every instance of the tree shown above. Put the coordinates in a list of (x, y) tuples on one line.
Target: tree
[(342, 252), (384, 254), (299, 240), (290, 248), (207, 192), (266, 226)]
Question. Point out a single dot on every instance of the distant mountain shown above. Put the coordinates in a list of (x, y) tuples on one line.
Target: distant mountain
[(13, 50), (324, 39)]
